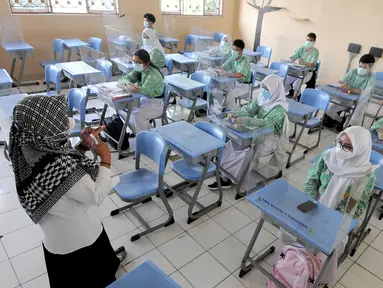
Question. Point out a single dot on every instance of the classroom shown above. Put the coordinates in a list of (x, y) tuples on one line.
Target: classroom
[(191, 143)]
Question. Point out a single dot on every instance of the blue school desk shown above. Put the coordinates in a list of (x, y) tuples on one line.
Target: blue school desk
[(209, 60), (169, 43), (262, 72), (297, 71), (122, 64), (254, 56), (187, 88), (18, 50), (79, 72), (122, 44), (317, 230), (5, 79), (183, 63), (73, 45), (147, 275), (197, 148), (244, 139), (298, 113), (123, 104)]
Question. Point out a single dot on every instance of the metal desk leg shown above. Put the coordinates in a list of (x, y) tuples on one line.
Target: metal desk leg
[(13, 67), (192, 109), (351, 115), (69, 55), (21, 72), (122, 136), (323, 270), (289, 163), (194, 216)]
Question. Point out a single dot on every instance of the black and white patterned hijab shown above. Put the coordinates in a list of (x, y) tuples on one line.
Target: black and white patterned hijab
[(45, 168)]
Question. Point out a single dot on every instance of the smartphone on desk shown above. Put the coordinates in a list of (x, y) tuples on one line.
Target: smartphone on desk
[(307, 206)]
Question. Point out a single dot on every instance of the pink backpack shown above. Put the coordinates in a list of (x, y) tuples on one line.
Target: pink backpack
[(296, 268)]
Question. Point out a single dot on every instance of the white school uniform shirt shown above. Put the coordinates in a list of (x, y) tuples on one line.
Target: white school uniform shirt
[(74, 221)]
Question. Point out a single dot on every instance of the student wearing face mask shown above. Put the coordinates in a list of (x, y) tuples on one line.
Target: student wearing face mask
[(269, 110), (60, 189), (145, 79), (237, 66), (357, 81), (154, 48), (306, 55), (224, 48), (149, 20)]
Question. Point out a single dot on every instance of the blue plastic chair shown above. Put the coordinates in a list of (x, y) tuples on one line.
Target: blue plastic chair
[(249, 96), (140, 185), (201, 77), (95, 43), (266, 54), (52, 75), (169, 64), (192, 172), (320, 100), (58, 53), (218, 37), (106, 68), (379, 76), (282, 69), (190, 40), (77, 100)]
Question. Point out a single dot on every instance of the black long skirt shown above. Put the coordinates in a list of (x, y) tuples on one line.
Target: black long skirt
[(94, 266)]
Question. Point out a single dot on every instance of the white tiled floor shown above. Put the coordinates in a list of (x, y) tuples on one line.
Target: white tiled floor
[(206, 253)]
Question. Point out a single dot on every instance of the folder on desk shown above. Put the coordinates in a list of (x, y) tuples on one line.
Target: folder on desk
[(113, 90)]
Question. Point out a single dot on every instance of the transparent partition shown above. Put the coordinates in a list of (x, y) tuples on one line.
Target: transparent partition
[(95, 65), (10, 29)]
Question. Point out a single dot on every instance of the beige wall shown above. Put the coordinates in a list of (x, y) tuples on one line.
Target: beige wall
[(40, 30), (336, 23)]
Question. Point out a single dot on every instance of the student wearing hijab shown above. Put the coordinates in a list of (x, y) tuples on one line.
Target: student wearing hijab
[(154, 48), (60, 189), (306, 55), (145, 79), (269, 110), (224, 48), (359, 81)]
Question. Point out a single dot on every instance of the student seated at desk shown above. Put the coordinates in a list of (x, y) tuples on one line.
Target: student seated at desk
[(154, 48), (378, 128), (357, 81), (269, 110), (306, 55), (238, 66), (149, 20), (224, 48), (343, 178), (144, 79)]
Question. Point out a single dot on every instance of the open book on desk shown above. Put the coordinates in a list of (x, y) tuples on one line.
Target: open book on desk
[(113, 90)]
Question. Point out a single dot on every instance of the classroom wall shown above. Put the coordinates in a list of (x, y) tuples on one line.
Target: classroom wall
[(40, 30), (336, 23)]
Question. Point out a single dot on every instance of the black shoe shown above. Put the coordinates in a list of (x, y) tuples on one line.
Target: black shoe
[(224, 185), (339, 126), (173, 102)]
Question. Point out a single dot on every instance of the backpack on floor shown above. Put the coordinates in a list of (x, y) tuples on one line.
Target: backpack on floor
[(114, 126), (296, 268)]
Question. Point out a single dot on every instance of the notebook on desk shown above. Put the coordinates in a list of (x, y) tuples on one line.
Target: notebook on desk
[(113, 90)]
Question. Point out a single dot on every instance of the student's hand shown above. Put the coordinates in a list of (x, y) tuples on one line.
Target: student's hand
[(86, 141), (103, 151), (300, 61), (345, 87), (231, 116), (238, 121), (134, 88), (380, 133)]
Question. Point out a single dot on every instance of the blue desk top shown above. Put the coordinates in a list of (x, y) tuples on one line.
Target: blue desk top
[(78, 68), (168, 39), (187, 138), (8, 103), (205, 55), (5, 79), (224, 79), (300, 109), (264, 70), (335, 91), (17, 46), (318, 227), (204, 37), (122, 42), (379, 84), (181, 58), (252, 53), (147, 275), (297, 67), (379, 178), (74, 43), (378, 146), (182, 82)]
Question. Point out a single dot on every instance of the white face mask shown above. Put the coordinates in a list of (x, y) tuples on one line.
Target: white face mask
[(309, 44), (72, 124), (341, 154), (362, 71)]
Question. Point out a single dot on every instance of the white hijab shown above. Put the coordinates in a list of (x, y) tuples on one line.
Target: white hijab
[(353, 170), (274, 84), (153, 37)]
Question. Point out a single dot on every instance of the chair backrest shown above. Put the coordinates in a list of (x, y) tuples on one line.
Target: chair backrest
[(58, 48), (106, 68), (218, 37), (53, 75), (77, 98), (153, 146), (202, 77), (379, 76), (316, 98), (275, 65), (375, 157), (213, 131), (169, 64), (191, 40), (266, 52), (95, 43)]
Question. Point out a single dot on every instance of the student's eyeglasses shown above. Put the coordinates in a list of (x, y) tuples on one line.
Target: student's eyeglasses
[(345, 147)]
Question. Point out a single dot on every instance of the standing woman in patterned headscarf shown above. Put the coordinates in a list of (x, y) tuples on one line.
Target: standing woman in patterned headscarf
[(60, 189)]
